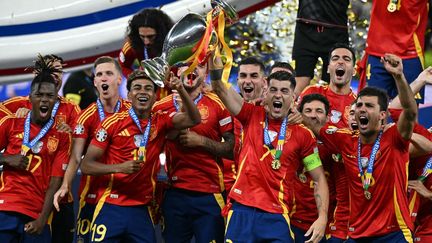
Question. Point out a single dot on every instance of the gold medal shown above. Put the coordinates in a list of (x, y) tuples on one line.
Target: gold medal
[(368, 195), (302, 177), (24, 150), (275, 164), (141, 153), (391, 7)]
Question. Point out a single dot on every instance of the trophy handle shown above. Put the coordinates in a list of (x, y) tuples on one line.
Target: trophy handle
[(230, 13)]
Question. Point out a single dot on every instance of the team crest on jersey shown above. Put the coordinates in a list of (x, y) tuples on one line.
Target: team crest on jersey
[(101, 135), (52, 144), (331, 130), (37, 147), (60, 119), (153, 132), (79, 129), (137, 139), (335, 116), (204, 112), (288, 134)]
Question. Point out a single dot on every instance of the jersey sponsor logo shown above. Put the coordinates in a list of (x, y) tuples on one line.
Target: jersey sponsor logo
[(101, 135), (37, 147), (79, 129), (225, 121), (335, 116), (124, 133), (52, 144)]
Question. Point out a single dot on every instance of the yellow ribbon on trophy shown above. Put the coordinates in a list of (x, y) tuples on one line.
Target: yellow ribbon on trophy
[(204, 46)]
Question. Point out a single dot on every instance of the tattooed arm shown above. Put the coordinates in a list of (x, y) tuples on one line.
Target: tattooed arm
[(217, 148)]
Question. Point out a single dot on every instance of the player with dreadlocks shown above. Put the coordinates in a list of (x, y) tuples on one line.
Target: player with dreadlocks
[(34, 152)]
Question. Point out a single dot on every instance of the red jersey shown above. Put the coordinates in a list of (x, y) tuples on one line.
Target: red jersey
[(401, 32), (339, 104), (424, 215), (4, 111), (230, 166), (196, 169), (85, 128), (303, 210), (67, 112), (387, 211), (23, 191), (119, 137), (257, 184)]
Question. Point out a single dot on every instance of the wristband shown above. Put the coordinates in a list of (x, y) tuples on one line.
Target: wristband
[(216, 74)]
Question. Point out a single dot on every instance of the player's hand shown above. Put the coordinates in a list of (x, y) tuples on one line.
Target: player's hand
[(59, 195), (17, 161), (22, 112), (34, 227), (393, 64), (190, 139), (295, 117), (131, 166), (426, 75), (64, 127), (317, 230), (420, 188), (174, 82)]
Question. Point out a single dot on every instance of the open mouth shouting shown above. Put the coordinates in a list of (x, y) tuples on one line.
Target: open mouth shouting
[(277, 106), (364, 121), (340, 71), (43, 109), (143, 100), (105, 88)]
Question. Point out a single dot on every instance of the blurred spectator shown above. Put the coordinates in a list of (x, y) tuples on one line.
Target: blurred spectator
[(79, 88)]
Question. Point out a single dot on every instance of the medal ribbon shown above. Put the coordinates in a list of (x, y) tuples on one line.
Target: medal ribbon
[(26, 145), (427, 170), (101, 109), (146, 56), (281, 138), (196, 100), (146, 132), (371, 161)]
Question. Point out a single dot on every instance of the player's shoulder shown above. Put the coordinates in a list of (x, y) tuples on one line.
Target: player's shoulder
[(115, 119), (87, 113), (16, 99), (163, 103), (214, 98), (10, 118), (127, 46), (330, 130), (126, 104)]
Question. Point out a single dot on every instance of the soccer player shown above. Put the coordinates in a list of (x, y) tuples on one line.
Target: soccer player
[(376, 162), (385, 35), (107, 79), (272, 152), (338, 92), (251, 80), (62, 222), (125, 153), (35, 152), (304, 211), (193, 204)]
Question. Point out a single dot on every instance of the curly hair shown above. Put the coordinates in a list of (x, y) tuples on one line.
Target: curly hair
[(153, 18), (44, 70)]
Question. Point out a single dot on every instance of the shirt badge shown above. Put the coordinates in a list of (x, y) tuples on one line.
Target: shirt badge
[(101, 135), (335, 116), (79, 129), (52, 144)]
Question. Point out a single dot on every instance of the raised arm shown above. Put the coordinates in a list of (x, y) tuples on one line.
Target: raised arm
[(405, 124), (230, 98), (224, 149), (190, 116), (419, 146), (91, 166), (424, 78)]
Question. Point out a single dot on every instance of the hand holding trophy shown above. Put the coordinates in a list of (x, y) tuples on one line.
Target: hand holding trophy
[(190, 41)]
